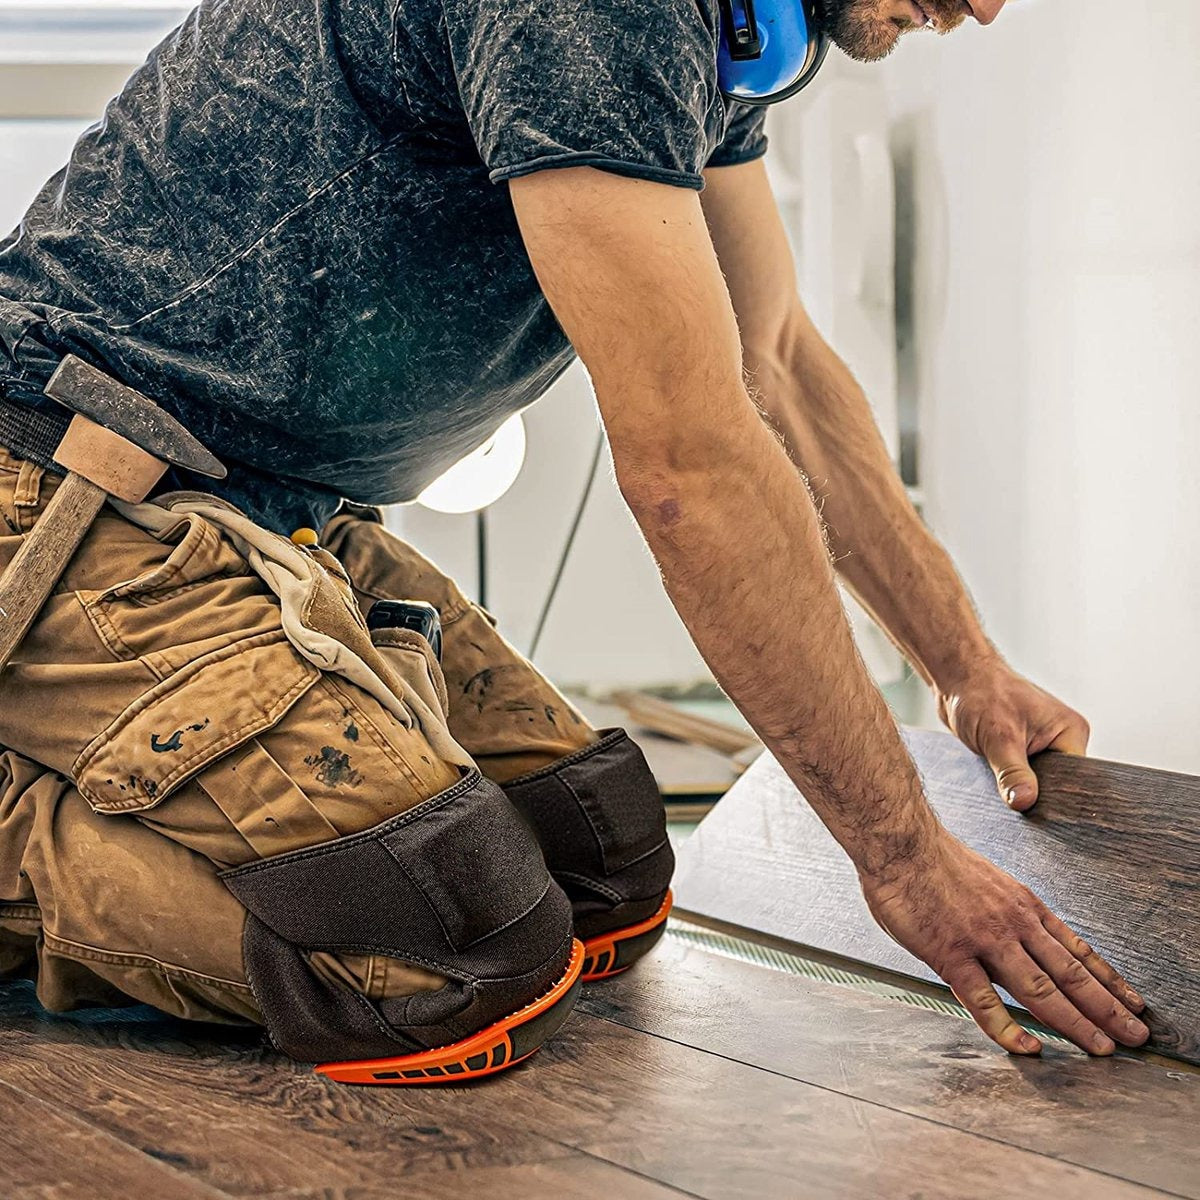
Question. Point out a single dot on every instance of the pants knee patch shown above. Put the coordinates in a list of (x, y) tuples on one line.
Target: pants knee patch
[(600, 820), (456, 885)]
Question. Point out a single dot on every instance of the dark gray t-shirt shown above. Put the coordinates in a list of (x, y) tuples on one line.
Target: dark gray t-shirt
[(287, 228)]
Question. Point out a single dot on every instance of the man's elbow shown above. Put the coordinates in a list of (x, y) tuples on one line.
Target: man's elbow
[(669, 470)]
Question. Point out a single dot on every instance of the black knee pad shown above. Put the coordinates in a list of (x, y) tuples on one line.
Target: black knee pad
[(457, 885), (599, 817)]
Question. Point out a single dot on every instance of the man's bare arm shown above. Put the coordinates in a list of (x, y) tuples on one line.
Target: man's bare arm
[(631, 273), (883, 551), (636, 285)]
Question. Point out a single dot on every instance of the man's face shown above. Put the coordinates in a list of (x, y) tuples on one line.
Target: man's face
[(868, 30)]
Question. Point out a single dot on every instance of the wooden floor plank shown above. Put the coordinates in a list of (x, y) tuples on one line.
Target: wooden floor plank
[(727, 1131), (1122, 1116), (1111, 848), (239, 1119), (248, 1123), (48, 1155), (575, 1176), (680, 768)]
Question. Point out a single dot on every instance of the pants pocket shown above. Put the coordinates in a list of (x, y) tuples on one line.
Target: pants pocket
[(197, 713), (414, 661), (170, 603)]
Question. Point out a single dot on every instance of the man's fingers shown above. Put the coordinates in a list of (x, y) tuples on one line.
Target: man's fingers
[(1009, 760), (1085, 991), (1032, 986), (1104, 971), (975, 993), (1073, 739)]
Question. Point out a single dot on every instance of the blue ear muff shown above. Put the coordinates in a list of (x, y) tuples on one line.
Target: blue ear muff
[(769, 49)]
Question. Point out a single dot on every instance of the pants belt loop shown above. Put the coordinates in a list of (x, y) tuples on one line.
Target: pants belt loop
[(27, 494)]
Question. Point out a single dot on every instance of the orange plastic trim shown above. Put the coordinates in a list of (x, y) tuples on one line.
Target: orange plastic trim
[(483, 1053), (601, 951)]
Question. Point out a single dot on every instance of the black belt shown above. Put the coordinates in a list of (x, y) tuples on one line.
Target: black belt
[(32, 433)]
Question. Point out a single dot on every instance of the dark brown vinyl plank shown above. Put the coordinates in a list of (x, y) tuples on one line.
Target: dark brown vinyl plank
[(574, 1176), (1113, 849), (1122, 1116), (246, 1123), (239, 1119), (723, 1130), (50, 1156)]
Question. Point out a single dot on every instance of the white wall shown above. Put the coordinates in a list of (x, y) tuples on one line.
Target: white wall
[(30, 152), (1056, 168)]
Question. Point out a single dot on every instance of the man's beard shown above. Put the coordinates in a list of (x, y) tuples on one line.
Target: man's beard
[(859, 28)]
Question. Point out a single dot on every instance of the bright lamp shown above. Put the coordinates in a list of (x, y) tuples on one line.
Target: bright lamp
[(483, 476)]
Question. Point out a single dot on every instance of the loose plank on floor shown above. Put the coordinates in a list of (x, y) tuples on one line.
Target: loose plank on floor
[(1123, 1116), (681, 769), (1111, 848)]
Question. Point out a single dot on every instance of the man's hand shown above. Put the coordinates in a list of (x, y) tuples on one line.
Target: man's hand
[(977, 926), (1004, 717)]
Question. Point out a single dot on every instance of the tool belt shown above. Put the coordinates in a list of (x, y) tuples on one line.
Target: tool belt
[(32, 433)]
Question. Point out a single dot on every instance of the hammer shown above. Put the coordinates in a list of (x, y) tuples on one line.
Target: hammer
[(119, 443)]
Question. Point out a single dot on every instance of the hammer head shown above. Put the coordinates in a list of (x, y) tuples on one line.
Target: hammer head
[(81, 388)]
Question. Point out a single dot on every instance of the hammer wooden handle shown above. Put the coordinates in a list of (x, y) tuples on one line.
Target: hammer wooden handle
[(42, 556)]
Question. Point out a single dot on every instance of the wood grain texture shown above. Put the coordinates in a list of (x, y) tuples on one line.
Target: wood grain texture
[(42, 557), (108, 460), (242, 1121), (1123, 1116), (667, 1117), (52, 1156), (726, 1130), (1113, 849), (575, 1176)]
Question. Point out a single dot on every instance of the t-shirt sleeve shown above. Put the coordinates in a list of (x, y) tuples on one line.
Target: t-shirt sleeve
[(604, 83), (744, 138)]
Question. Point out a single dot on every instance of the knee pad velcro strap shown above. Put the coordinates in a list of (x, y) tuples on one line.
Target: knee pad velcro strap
[(456, 885), (599, 817)]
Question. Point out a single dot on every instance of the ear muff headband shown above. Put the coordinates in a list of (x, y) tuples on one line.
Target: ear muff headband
[(769, 49)]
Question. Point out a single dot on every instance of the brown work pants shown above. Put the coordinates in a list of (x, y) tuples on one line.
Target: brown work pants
[(109, 888)]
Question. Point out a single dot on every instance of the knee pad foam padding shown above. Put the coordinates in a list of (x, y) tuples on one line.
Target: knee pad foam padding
[(456, 885), (599, 818)]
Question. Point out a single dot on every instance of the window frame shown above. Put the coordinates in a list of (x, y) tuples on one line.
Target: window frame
[(66, 58)]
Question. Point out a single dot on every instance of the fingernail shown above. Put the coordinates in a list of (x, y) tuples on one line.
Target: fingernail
[(1020, 795), (1102, 1044), (1131, 997), (1137, 1030), (1030, 1044)]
